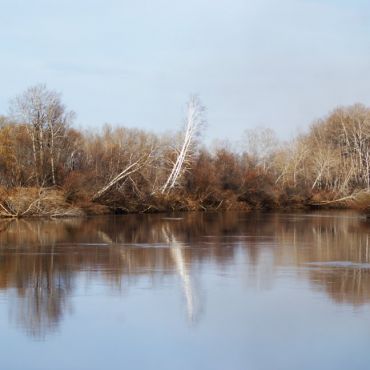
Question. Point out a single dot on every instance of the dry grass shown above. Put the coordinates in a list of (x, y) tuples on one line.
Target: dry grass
[(361, 201), (34, 202)]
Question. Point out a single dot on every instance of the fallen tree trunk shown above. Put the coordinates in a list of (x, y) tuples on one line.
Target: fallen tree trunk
[(360, 200)]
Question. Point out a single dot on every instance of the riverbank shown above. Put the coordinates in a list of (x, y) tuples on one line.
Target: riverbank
[(54, 202), (48, 168)]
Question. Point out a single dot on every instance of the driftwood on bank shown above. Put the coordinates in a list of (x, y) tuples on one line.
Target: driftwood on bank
[(359, 200)]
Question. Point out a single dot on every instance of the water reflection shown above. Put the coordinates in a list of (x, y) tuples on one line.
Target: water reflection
[(178, 255), (40, 260)]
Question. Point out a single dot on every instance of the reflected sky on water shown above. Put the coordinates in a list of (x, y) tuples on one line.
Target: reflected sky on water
[(186, 291)]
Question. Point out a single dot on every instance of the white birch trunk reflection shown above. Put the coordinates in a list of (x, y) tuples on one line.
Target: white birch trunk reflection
[(177, 253)]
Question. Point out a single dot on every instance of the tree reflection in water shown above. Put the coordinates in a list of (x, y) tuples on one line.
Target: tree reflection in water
[(41, 259)]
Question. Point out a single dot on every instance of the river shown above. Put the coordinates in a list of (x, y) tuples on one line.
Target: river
[(217, 291)]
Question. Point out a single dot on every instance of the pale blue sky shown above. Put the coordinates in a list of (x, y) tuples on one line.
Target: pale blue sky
[(276, 63)]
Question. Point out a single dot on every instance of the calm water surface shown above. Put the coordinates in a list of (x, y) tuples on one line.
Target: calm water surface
[(213, 291)]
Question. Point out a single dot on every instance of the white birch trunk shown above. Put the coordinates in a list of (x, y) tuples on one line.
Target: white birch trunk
[(194, 120)]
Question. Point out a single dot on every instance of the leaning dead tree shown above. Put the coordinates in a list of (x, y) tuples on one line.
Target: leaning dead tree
[(129, 170), (193, 123)]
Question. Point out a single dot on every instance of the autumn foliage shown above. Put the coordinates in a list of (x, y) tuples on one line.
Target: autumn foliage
[(47, 167)]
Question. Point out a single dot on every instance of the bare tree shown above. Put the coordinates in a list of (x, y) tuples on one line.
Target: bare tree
[(261, 144), (46, 119)]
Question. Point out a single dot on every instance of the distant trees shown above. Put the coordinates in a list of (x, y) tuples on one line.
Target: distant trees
[(133, 170), (346, 133), (334, 156), (260, 145)]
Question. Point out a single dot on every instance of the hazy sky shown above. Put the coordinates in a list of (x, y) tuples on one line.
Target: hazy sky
[(275, 63)]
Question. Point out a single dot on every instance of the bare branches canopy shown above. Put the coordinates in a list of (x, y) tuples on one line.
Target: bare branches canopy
[(133, 170), (46, 120)]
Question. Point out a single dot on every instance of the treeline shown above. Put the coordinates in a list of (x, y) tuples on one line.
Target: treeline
[(49, 167)]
